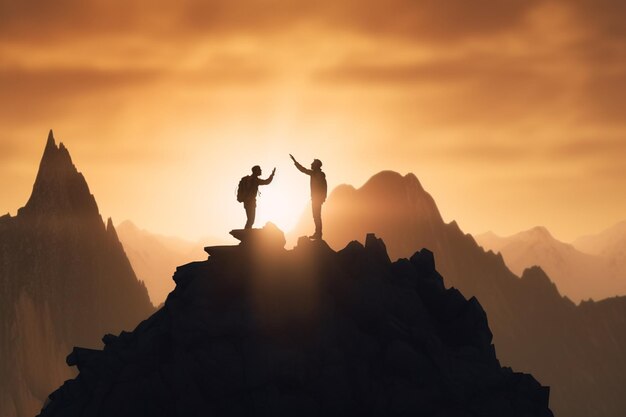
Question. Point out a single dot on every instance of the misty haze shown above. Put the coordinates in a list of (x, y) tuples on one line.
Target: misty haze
[(399, 208)]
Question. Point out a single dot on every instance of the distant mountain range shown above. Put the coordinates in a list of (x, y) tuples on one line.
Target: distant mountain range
[(154, 257), (64, 281), (578, 275), (577, 350), (610, 244)]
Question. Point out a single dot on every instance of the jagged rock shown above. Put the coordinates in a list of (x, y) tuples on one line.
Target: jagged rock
[(270, 236), (258, 331), (217, 250), (376, 248), (64, 280)]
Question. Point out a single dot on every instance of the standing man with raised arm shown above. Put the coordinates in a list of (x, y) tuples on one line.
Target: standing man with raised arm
[(248, 190), (319, 190)]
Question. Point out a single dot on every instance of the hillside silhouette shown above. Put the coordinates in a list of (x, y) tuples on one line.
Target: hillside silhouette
[(577, 275), (64, 281), (259, 330), (577, 350)]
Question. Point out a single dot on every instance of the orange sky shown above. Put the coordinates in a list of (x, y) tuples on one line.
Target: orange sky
[(511, 113)]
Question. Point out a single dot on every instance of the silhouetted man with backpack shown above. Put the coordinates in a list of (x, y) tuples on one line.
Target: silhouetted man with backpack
[(319, 189), (248, 190)]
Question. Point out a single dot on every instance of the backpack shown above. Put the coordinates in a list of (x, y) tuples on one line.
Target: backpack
[(244, 189)]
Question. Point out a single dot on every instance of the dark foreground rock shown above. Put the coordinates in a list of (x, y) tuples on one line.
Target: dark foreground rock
[(261, 331)]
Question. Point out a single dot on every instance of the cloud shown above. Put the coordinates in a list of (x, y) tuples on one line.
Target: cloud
[(593, 148), (9, 150), (33, 95), (400, 17), (470, 90), (606, 17), (464, 69), (496, 153), (68, 81), (422, 19)]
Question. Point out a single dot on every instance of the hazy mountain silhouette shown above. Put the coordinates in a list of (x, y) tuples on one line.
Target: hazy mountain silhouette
[(577, 275), (260, 331), (578, 351), (64, 280), (610, 244), (154, 257)]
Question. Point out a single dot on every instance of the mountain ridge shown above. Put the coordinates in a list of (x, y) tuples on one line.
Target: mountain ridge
[(64, 279), (519, 309), (59, 188), (609, 244), (578, 275)]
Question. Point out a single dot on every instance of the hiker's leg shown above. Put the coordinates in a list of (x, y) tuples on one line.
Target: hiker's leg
[(250, 213), (317, 218)]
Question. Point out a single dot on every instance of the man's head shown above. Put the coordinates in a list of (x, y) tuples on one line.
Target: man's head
[(316, 164), (256, 170)]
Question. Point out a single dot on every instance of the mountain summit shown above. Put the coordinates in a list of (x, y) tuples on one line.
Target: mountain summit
[(59, 188), (397, 206), (260, 331), (64, 280)]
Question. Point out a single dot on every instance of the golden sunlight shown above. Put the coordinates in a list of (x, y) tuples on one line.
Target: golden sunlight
[(283, 201)]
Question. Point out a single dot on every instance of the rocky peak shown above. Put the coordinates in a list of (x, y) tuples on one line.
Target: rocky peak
[(259, 330), (538, 233), (389, 182), (59, 188), (391, 189), (537, 278), (387, 194), (110, 228), (64, 280), (128, 226)]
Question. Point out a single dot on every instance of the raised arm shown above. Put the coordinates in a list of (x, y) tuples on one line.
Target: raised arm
[(269, 179), (300, 167)]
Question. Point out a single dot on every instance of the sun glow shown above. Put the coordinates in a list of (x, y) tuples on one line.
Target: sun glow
[(283, 201)]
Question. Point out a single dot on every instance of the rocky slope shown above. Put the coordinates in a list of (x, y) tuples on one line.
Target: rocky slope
[(535, 329), (259, 331), (577, 275), (64, 280)]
